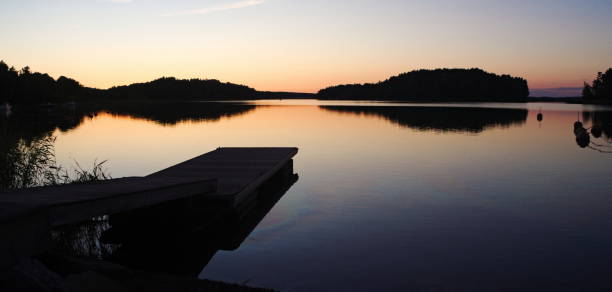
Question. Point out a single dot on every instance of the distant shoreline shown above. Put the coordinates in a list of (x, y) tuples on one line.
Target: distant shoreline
[(568, 100), (25, 87)]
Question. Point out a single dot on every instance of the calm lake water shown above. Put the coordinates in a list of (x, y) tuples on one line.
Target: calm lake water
[(412, 197)]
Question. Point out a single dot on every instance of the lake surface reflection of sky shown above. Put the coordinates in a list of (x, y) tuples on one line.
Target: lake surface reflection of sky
[(398, 197)]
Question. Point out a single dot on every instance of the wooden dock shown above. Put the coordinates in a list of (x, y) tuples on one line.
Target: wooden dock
[(80, 202), (239, 171), (228, 175)]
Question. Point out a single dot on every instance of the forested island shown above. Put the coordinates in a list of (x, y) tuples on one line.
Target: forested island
[(172, 88), (25, 86), (442, 84)]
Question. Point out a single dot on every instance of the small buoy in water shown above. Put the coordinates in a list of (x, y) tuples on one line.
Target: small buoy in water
[(540, 117), (596, 131), (583, 139), (577, 125)]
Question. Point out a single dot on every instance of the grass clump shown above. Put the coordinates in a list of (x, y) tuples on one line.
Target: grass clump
[(32, 163)]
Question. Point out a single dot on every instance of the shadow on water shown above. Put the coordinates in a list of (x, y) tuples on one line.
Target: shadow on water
[(444, 119), (180, 237)]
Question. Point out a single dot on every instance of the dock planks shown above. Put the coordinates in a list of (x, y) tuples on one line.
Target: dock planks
[(239, 171)]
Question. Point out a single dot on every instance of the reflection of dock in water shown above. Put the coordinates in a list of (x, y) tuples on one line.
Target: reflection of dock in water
[(185, 247), (224, 187)]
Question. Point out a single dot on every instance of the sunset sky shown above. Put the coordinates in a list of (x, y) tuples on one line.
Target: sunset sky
[(299, 45)]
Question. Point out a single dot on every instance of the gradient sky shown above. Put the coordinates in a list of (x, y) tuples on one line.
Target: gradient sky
[(305, 45)]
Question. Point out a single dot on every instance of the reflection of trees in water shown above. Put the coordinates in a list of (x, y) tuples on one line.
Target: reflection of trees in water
[(30, 162), (601, 122), (27, 144), (30, 123), (172, 113), (599, 134), (26, 163), (35, 121), (81, 239), (445, 119), (27, 154)]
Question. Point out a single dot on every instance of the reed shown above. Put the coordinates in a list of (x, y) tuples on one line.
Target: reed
[(32, 163)]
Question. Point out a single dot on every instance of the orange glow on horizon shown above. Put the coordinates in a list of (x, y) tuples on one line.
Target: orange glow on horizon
[(304, 46)]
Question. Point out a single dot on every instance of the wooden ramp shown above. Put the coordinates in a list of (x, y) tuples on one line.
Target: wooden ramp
[(230, 175)]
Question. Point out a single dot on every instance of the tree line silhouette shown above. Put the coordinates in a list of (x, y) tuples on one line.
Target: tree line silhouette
[(25, 86), (452, 84), (172, 88), (601, 88)]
